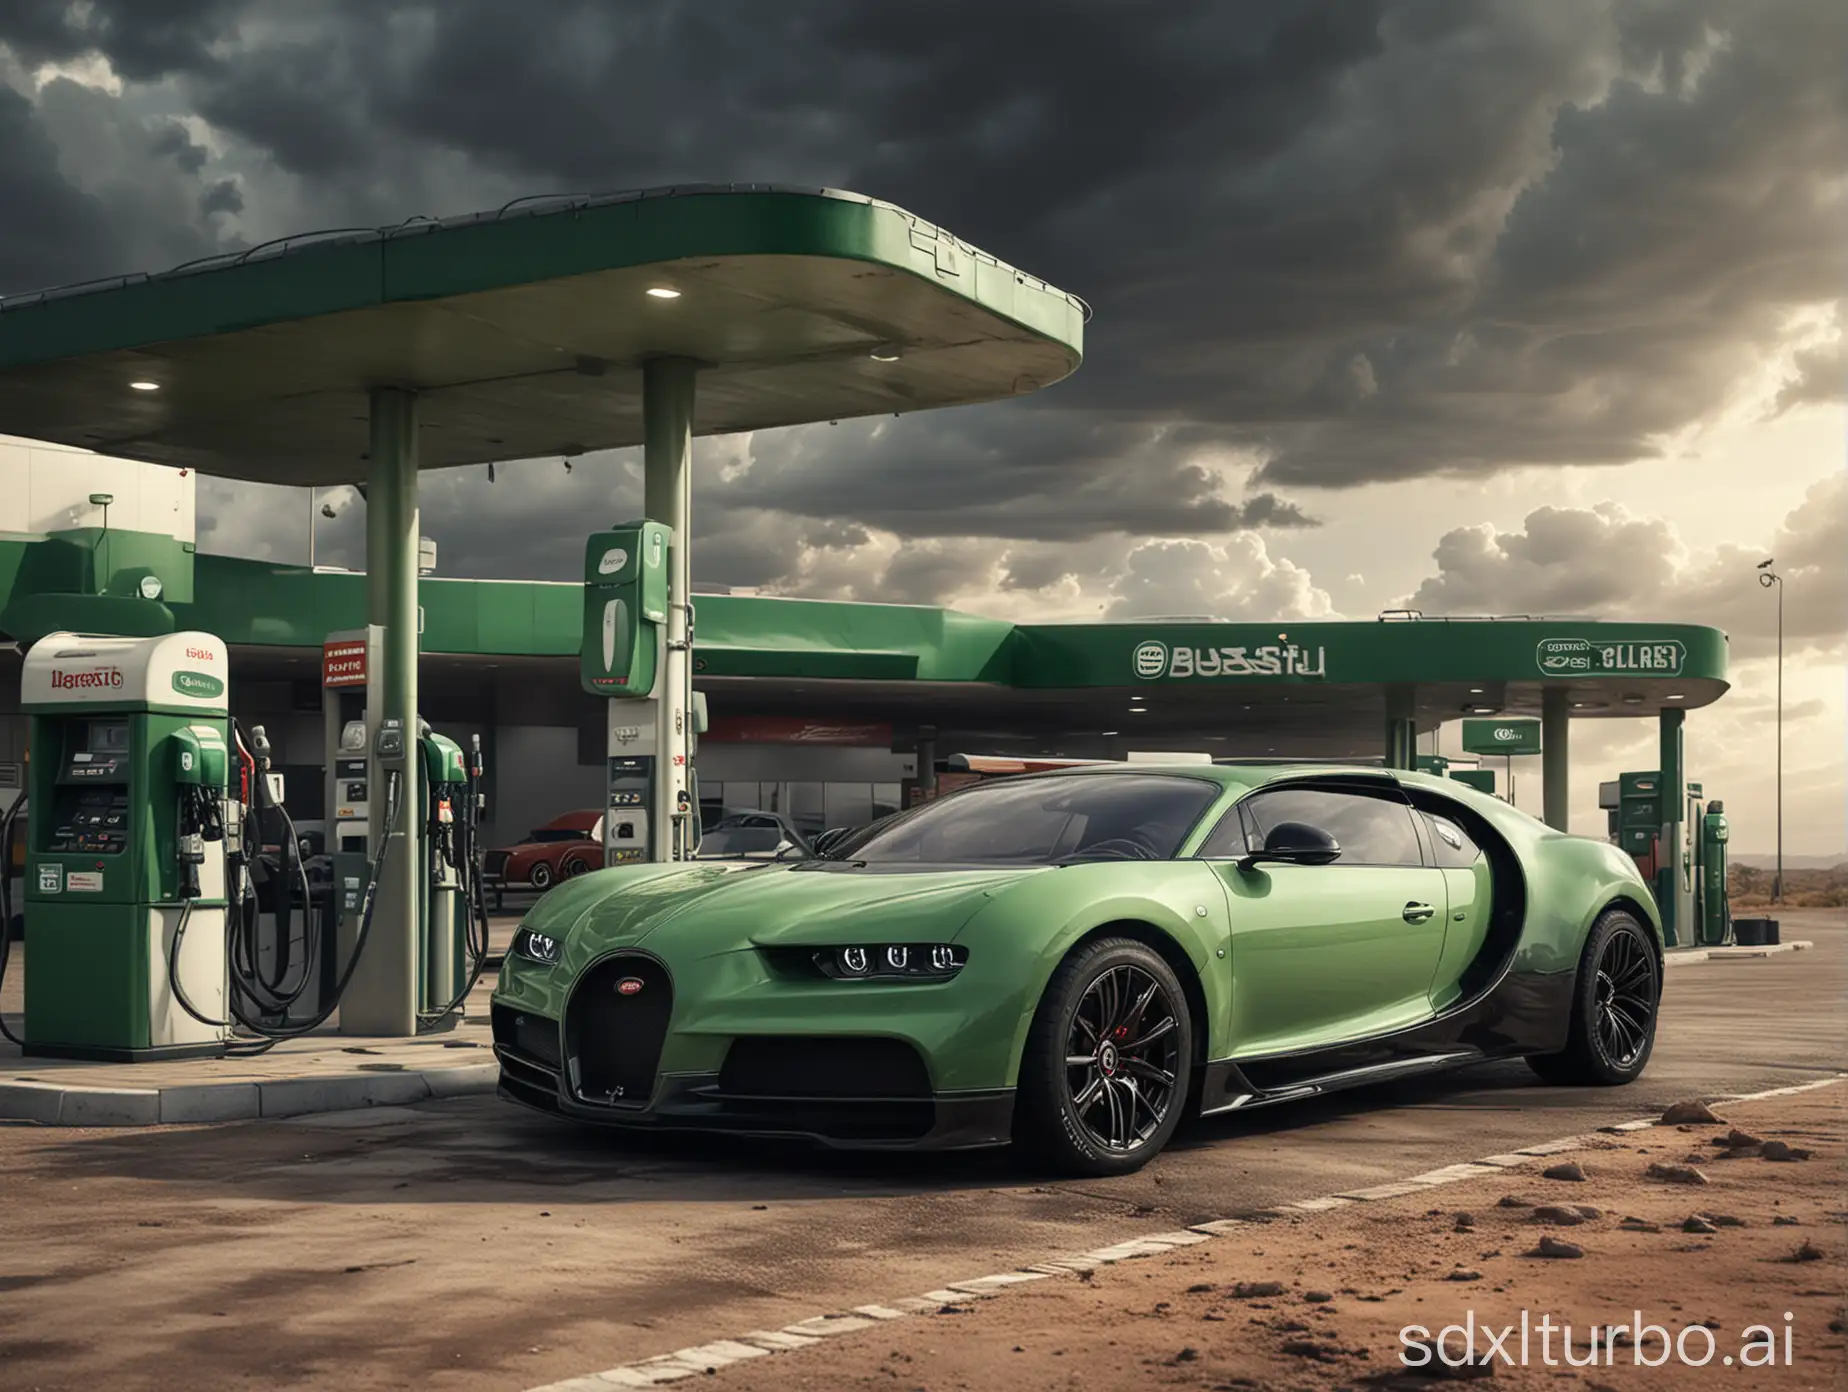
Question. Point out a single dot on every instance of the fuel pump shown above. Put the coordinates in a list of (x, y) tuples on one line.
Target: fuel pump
[(443, 788), (126, 847), (265, 1033), (455, 935), (1712, 912), (278, 966), (652, 811)]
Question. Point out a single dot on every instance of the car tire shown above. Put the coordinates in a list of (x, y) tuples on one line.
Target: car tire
[(1069, 1117), (1619, 977), (573, 868), (541, 877)]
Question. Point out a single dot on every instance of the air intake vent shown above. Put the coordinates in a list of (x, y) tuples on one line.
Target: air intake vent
[(838, 1068)]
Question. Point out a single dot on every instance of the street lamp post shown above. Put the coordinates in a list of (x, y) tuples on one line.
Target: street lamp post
[(1770, 579)]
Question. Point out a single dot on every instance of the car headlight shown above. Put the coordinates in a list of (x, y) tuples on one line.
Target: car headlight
[(537, 947), (892, 962)]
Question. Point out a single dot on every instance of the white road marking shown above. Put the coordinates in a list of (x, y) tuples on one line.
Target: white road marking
[(690, 1362)]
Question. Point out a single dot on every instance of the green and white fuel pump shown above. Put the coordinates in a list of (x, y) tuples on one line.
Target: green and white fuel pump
[(451, 931), (1712, 913), (632, 655), (127, 845)]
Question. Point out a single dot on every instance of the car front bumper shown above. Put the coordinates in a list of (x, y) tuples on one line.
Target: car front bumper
[(714, 1102)]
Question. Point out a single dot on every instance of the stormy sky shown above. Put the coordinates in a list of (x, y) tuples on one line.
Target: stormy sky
[(1477, 307)]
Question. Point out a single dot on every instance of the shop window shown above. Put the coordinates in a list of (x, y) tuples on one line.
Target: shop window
[(807, 806), (848, 804), (887, 798)]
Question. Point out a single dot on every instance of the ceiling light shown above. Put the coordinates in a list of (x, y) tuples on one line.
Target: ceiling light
[(1633, 700), (885, 352), (1475, 691), (1674, 696), (1578, 705), (662, 292), (145, 385), (1138, 710), (1482, 710), (1106, 734)]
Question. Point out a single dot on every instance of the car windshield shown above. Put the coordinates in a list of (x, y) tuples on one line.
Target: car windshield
[(559, 834), (1055, 820), (740, 840)]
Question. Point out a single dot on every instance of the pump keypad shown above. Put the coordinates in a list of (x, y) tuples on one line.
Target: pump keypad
[(97, 824)]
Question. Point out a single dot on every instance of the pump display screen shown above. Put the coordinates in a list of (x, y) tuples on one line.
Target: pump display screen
[(107, 737)]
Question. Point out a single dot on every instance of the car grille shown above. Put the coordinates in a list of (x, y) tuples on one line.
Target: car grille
[(838, 1067), (612, 1038)]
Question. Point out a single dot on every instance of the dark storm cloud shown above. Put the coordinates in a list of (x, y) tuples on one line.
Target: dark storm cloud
[(53, 231), (998, 471), (143, 39), (1350, 240)]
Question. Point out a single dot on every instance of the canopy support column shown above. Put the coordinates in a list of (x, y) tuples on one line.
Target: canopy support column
[(1669, 879), (382, 997), (1401, 727), (668, 386), (1555, 756)]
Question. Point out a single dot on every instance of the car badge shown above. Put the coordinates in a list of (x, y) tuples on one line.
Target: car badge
[(629, 986)]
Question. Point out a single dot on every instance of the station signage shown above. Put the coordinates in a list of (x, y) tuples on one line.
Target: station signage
[(88, 679), (1156, 660), (1566, 657), (1501, 736), (343, 662)]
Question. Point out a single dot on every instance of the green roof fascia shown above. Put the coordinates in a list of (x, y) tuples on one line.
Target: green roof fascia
[(1427, 650), (431, 260), (259, 602)]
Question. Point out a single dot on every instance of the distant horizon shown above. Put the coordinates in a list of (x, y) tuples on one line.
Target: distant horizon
[(1767, 860)]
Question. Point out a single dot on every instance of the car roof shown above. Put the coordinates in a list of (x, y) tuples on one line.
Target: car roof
[(1246, 775), (574, 821)]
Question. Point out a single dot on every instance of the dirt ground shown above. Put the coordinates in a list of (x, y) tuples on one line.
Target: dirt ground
[(1352, 1283)]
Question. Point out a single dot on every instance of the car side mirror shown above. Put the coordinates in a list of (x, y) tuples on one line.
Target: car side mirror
[(1294, 843)]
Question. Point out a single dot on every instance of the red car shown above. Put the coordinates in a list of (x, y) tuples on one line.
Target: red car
[(563, 848)]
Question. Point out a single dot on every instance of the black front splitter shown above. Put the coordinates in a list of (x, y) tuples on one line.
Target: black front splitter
[(692, 1103)]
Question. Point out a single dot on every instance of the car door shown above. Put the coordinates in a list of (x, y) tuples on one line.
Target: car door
[(1470, 900), (1327, 953)]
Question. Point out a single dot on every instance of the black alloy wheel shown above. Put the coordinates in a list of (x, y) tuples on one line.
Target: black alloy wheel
[(1104, 1076), (1624, 993), (1616, 997), (1121, 1057)]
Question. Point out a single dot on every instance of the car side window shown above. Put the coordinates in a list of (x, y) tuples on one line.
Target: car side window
[(1369, 830), (1452, 847), (1227, 840)]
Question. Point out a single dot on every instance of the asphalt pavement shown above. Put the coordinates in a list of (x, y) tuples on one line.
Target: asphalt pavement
[(468, 1244)]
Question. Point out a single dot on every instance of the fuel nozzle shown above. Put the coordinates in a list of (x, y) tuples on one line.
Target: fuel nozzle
[(260, 748)]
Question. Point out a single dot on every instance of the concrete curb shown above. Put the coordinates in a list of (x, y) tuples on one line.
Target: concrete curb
[(1689, 956), (66, 1104), (709, 1357)]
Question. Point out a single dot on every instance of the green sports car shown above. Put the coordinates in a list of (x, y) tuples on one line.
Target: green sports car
[(1074, 961)]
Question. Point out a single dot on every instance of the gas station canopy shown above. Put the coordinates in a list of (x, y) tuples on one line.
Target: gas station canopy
[(523, 332)]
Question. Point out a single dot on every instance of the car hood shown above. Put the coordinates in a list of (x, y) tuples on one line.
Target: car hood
[(701, 908)]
